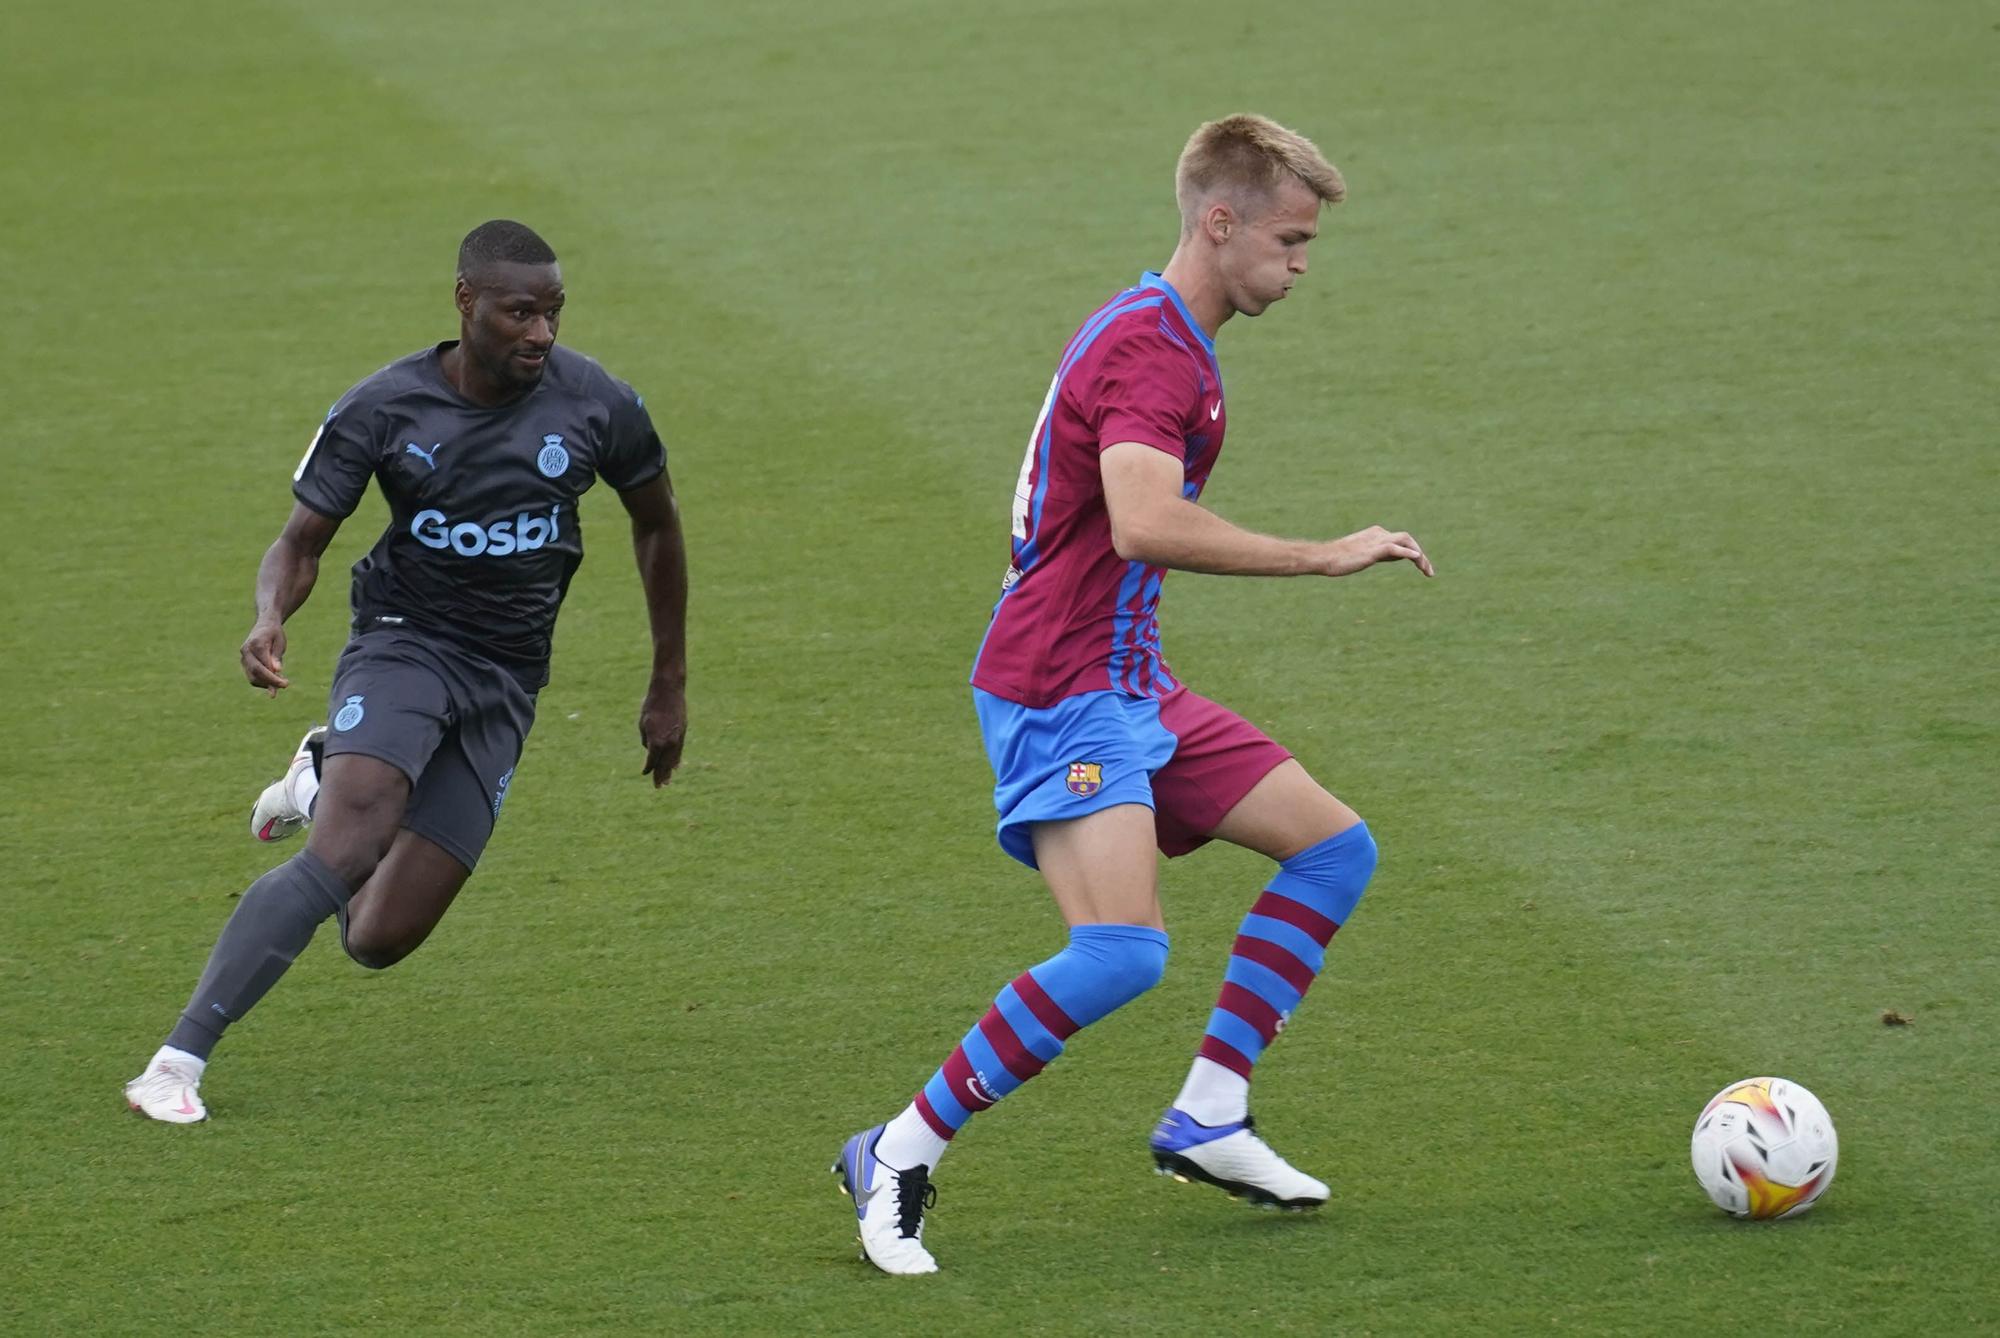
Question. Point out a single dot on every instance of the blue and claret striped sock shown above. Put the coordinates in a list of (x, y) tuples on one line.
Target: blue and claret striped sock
[(1279, 949), (1103, 968)]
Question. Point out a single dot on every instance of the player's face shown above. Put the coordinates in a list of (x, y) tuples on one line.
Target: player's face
[(1266, 253), (508, 319)]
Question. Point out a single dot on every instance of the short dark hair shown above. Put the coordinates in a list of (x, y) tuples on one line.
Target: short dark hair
[(502, 242)]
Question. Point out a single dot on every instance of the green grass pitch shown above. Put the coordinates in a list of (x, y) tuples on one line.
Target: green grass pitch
[(1669, 328)]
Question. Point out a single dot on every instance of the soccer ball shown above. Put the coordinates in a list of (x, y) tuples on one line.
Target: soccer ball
[(1764, 1147)]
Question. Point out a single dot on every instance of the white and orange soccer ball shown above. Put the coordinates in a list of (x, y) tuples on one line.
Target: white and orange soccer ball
[(1764, 1147)]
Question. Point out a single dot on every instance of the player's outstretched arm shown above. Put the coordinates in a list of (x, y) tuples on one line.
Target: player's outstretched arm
[(1151, 522), (284, 578), (656, 542)]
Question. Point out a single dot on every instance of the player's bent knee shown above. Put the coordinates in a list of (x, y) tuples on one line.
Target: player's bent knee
[(376, 943), (374, 961), (354, 840), (375, 954), (1127, 960), (1143, 969), (1331, 876), (352, 862)]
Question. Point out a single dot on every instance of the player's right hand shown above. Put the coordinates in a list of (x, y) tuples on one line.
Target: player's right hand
[(1364, 549), (263, 657)]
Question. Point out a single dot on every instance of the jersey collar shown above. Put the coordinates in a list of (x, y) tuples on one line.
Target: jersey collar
[(434, 368), (1151, 279)]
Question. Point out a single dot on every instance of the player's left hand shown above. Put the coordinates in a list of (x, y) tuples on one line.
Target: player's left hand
[(663, 729)]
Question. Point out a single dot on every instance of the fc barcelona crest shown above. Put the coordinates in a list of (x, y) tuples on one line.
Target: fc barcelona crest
[(1085, 779)]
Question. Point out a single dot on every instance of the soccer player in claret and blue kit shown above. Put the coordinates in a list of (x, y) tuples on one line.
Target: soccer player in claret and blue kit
[(481, 447), (1099, 753)]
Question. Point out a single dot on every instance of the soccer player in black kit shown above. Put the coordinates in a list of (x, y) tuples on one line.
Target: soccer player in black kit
[(481, 447)]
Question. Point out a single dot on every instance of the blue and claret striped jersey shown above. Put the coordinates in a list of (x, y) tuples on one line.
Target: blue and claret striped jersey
[(1073, 616), (483, 533)]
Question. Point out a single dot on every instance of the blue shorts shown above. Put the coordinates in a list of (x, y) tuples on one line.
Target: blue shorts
[(1083, 754), (1188, 759)]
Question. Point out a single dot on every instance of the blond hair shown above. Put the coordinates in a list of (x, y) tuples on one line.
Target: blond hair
[(1249, 155)]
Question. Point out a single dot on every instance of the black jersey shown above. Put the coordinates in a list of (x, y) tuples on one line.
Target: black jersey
[(483, 533)]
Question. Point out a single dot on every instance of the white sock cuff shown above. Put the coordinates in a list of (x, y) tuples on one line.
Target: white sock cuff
[(305, 789), (908, 1140), (1213, 1094)]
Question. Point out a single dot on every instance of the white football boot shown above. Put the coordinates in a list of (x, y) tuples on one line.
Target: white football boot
[(278, 813), (170, 1088), (890, 1205), (1232, 1158)]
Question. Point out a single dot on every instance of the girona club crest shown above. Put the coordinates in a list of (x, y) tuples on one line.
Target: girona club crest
[(1085, 779)]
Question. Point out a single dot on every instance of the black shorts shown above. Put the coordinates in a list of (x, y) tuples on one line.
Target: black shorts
[(449, 719)]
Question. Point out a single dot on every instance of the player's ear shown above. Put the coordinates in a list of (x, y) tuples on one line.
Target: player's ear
[(1218, 221), (462, 297)]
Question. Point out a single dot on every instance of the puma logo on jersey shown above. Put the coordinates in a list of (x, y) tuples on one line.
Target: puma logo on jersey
[(522, 533), (429, 457)]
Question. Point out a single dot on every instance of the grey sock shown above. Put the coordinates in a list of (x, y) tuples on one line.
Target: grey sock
[(271, 926)]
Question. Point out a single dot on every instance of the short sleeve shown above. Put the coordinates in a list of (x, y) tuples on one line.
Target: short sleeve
[(337, 465), (1143, 389), (634, 454)]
